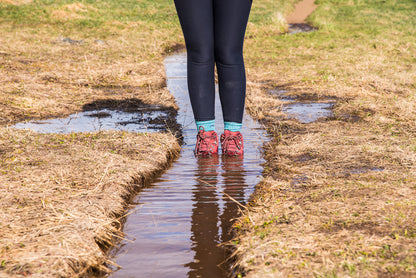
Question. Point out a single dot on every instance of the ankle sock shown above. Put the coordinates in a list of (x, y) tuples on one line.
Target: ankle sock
[(207, 125), (232, 126)]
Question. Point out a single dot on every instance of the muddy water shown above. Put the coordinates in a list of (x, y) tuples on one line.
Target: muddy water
[(296, 28), (145, 119), (297, 19), (182, 217)]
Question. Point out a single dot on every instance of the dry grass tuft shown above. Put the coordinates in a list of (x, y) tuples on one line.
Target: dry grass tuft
[(57, 78), (335, 200), (72, 11), (65, 15), (63, 196)]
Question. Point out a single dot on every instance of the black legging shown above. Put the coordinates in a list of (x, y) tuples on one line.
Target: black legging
[(214, 34)]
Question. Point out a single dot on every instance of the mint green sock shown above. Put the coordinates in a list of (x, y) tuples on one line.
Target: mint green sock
[(232, 126), (207, 125)]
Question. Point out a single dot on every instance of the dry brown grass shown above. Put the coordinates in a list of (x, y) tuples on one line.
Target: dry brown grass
[(16, 2), (336, 201), (338, 195), (63, 196)]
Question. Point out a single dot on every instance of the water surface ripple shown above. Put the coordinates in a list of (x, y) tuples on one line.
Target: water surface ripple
[(182, 218)]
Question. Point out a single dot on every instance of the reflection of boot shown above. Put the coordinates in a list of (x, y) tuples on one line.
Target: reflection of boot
[(233, 164), (233, 172), (207, 169), (206, 164), (205, 231)]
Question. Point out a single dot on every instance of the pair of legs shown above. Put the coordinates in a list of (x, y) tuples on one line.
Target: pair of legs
[(214, 36)]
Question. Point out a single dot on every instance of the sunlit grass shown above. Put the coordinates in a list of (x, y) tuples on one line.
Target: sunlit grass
[(348, 217)]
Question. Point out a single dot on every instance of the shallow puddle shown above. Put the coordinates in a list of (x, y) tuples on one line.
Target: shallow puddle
[(181, 219), (308, 112), (296, 28), (146, 119), (281, 94), (366, 170), (304, 112)]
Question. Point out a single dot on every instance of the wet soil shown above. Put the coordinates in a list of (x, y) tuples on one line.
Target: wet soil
[(295, 28)]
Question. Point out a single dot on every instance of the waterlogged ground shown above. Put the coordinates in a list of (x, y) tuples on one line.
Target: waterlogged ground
[(181, 219), (146, 119), (335, 201)]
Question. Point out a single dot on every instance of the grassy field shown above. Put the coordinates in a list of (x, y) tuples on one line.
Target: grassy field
[(338, 194), (337, 198)]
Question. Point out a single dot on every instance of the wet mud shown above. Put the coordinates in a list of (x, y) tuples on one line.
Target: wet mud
[(296, 28)]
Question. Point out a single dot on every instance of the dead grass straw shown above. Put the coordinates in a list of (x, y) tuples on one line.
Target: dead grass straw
[(337, 198), (63, 196)]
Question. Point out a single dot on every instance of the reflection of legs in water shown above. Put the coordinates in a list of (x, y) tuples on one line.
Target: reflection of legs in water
[(233, 174), (204, 229), (209, 256)]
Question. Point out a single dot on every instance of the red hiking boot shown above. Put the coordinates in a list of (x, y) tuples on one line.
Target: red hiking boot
[(206, 142), (232, 143)]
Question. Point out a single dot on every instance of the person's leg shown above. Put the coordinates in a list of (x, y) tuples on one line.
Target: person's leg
[(196, 18), (230, 21)]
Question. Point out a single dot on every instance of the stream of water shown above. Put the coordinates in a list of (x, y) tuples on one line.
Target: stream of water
[(181, 219)]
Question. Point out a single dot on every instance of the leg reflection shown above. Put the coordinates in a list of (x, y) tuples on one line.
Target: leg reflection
[(205, 230), (234, 185), (209, 228)]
